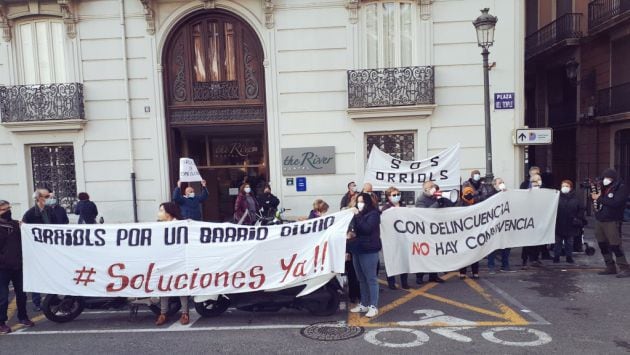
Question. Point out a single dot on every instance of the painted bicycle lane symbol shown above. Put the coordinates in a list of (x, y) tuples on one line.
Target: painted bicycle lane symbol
[(435, 318)]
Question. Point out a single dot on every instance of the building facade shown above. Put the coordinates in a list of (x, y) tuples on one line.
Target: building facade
[(106, 96), (578, 83)]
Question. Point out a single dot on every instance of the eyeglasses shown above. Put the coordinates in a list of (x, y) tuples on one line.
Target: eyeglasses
[(5, 208), (394, 195)]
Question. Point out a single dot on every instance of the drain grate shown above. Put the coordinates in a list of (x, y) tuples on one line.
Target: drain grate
[(331, 331)]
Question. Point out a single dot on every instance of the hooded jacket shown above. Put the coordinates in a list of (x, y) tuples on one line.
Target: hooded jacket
[(10, 245), (191, 207), (570, 211), (612, 199)]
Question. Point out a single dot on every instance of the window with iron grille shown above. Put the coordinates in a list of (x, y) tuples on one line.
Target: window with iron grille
[(400, 145), (53, 167)]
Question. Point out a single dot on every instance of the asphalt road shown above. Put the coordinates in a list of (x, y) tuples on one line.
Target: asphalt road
[(555, 309)]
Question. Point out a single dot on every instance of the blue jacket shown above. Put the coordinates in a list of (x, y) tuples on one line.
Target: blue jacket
[(191, 207), (87, 212), (368, 229)]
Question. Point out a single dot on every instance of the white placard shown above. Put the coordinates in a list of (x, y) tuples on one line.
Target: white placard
[(188, 170)]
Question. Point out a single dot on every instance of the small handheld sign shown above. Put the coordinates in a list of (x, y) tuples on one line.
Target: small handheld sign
[(188, 170)]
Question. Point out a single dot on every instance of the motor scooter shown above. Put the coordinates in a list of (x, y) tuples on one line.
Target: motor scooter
[(61, 309), (319, 296)]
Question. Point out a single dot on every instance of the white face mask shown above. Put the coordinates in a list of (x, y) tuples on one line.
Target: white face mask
[(50, 201), (360, 205), (476, 177), (248, 190), (432, 191), (565, 189), (535, 186), (356, 189), (395, 199), (607, 181), (191, 195), (501, 187)]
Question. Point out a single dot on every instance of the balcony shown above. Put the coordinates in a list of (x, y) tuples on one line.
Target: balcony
[(564, 31), (391, 92), (42, 107), (613, 100), (603, 14)]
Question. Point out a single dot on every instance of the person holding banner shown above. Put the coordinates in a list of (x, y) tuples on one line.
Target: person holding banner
[(11, 268), (245, 206), (499, 186), (473, 191), (531, 253), (169, 211), (428, 199), (365, 247), (190, 203), (393, 200)]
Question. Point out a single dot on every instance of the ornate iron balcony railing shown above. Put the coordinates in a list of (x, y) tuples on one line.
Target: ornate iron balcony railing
[(563, 28), (613, 100), (391, 87), (600, 11), (49, 102)]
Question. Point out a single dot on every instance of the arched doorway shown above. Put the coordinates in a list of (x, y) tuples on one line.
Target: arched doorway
[(215, 105)]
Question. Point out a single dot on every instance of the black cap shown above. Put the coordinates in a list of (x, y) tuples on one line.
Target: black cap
[(609, 173)]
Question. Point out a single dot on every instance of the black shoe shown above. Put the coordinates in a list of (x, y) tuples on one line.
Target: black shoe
[(419, 281), (437, 279), (556, 259), (570, 260), (405, 286), (392, 286)]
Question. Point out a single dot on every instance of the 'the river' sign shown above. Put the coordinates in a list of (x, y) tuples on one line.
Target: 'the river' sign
[(308, 161)]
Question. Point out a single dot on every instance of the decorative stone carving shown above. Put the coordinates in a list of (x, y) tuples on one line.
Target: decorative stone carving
[(251, 83), (425, 9), (69, 18), (218, 114), (353, 11), (209, 4), (5, 23), (268, 9), (149, 15)]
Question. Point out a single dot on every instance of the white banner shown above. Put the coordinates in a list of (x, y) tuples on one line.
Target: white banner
[(181, 257), (434, 240), (188, 170), (383, 170)]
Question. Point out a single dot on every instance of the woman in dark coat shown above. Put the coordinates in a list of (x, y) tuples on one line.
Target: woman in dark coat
[(86, 209), (246, 206), (393, 200), (364, 249), (569, 221)]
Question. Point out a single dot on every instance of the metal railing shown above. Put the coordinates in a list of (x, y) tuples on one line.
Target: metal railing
[(600, 11), (613, 100), (564, 27), (391, 87), (49, 102)]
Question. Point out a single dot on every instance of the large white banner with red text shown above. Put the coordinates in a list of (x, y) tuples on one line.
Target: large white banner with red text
[(180, 257), (435, 240)]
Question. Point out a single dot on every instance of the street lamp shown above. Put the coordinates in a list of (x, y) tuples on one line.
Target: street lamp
[(484, 24), (571, 68)]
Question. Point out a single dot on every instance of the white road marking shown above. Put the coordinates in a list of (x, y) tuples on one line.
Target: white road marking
[(539, 320), (194, 316), (156, 329), (435, 317), (421, 337), (542, 337), (451, 333)]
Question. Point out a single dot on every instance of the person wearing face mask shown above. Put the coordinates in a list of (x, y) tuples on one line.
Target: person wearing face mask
[(41, 213), (393, 196), (473, 191), (349, 195), (190, 202), (569, 221), (365, 247), (612, 200), (168, 212), (268, 202), (245, 206), (61, 216), (498, 185), (526, 184), (428, 200), (11, 268)]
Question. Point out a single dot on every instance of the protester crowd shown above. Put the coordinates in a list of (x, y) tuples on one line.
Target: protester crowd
[(363, 236)]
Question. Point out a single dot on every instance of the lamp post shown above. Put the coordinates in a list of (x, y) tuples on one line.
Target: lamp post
[(484, 24)]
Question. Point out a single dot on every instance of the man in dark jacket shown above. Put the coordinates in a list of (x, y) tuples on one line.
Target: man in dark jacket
[(11, 268), (612, 200), (428, 200), (190, 203), (41, 213), (60, 214)]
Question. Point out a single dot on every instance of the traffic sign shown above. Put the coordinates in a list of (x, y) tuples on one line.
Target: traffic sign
[(533, 136)]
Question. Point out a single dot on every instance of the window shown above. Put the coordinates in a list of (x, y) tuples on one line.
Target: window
[(400, 145), (388, 34), (53, 167), (214, 51), (41, 48)]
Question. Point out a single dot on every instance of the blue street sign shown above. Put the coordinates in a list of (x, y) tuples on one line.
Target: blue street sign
[(300, 184), (503, 100)]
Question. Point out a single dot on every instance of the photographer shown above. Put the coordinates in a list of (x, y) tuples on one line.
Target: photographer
[(428, 199), (612, 200)]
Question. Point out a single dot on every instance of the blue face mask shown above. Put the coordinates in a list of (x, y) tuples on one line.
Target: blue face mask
[(51, 201)]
